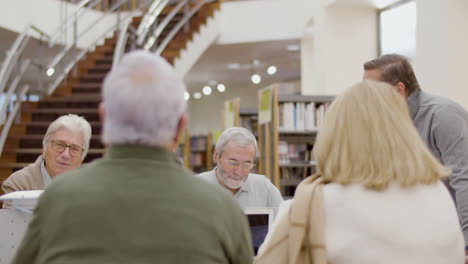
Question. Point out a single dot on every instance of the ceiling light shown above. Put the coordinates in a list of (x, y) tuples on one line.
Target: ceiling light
[(256, 78), (233, 66), (197, 95), (271, 70), (293, 47), (221, 88), (207, 90), (186, 96), (50, 72)]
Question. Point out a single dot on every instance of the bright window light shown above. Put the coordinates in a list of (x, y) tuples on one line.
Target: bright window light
[(398, 30), (186, 96)]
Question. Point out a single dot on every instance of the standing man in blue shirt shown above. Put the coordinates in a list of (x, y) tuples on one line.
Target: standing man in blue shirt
[(442, 123)]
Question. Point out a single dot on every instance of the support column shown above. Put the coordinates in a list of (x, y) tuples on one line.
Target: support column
[(339, 39)]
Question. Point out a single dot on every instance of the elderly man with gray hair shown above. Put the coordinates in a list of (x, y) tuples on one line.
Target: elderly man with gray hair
[(137, 204), (64, 148), (234, 155)]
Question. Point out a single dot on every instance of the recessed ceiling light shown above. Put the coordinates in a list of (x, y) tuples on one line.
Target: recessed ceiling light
[(186, 96), (197, 95), (207, 90), (233, 66), (256, 78), (221, 88), (50, 72), (271, 70), (293, 47)]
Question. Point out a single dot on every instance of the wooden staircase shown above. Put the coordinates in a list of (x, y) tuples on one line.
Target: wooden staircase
[(80, 94)]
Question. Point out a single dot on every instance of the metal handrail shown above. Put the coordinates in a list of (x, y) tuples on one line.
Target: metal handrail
[(121, 41), (66, 49), (147, 15), (159, 29), (70, 65), (13, 54), (179, 25), (13, 84), (152, 18), (6, 127), (64, 25)]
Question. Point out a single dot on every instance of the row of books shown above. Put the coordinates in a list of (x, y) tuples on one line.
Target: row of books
[(300, 116), (198, 143), (289, 153)]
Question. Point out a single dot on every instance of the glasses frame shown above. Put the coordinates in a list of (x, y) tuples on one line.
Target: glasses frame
[(234, 164), (70, 151)]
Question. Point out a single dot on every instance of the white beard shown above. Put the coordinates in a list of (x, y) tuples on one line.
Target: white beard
[(233, 183)]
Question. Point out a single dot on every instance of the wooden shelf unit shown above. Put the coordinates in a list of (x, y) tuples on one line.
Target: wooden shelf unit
[(286, 142), (201, 153)]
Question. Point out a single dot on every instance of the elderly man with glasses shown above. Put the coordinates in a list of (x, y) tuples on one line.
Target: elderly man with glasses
[(65, 146), (234, 155)]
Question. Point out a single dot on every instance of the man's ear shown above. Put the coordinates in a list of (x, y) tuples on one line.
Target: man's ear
[(180, 127), (102, 111), (401, 89), (215, 156)]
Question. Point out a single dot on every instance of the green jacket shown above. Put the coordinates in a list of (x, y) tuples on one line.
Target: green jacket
[(136, 205)]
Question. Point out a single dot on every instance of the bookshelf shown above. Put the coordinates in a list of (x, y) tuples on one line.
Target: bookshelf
[(183, 149), (248, 118), (201, 152), (287, 138)]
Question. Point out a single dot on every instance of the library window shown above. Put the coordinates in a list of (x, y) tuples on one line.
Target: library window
[(397, 29)]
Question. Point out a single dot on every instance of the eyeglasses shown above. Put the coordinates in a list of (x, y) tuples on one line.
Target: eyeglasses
[(60, 146), (235, 164)]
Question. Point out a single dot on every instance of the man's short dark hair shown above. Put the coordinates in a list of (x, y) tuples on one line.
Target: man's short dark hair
[(395, 68)]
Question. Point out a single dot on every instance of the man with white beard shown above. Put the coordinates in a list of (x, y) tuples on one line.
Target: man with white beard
[(234, 155)]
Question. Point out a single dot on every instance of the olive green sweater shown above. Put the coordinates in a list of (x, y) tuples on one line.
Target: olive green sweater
[(136, 205)]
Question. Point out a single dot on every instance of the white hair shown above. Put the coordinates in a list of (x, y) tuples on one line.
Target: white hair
[(240, 136), (144, 100), (74, 123)]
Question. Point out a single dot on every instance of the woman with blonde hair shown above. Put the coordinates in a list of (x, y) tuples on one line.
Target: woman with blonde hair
[(383, 201)]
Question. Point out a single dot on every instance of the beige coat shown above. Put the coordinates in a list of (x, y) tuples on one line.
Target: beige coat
[(28, 178), (298, 238)]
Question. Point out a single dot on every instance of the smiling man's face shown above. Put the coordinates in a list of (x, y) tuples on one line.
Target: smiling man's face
[(60, 162)]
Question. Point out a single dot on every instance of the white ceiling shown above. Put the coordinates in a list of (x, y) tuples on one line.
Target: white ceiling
[(212, 67)]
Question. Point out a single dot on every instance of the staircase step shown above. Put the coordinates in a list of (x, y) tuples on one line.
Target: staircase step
[(104, 61), (93, 78), (75, 101), (30, 155), (35, 141), (87, 88), (40, 128), (50, 115), (101, 68)]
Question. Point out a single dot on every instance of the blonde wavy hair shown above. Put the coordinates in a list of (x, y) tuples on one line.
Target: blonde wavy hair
[(368, 138)]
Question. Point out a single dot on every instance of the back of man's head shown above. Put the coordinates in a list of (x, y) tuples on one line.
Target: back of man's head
[(143, 99), (394, 68)]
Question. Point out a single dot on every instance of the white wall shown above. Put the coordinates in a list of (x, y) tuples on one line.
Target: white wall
[(263, 20), (344, 37), (46, 15), (205, 114), (441, 48)]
